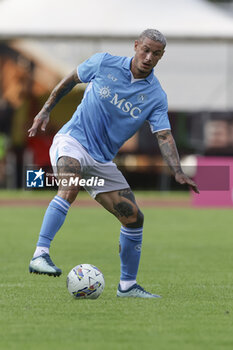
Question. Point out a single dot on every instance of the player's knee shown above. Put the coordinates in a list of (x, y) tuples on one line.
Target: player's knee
[(138, 220)]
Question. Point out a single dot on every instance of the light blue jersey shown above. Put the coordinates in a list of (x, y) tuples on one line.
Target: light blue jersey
[(114, 106)]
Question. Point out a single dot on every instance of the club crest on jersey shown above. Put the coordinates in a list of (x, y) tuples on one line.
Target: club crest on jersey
[(142, 98)]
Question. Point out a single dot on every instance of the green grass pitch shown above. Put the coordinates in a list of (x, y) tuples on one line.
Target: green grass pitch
[(187, 258)]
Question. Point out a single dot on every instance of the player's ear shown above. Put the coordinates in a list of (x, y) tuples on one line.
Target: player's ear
[(136, 45)]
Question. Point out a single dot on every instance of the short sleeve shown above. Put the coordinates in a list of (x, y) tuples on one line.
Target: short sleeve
[(158, 119), (87, 70)]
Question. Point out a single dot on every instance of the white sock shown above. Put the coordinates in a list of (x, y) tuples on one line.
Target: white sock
[(40, 250), (127, 284)]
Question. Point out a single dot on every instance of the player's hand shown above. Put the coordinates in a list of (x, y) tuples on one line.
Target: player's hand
[(42, 118), (184, 179)]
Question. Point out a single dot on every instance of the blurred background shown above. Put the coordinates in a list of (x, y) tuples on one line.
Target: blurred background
[(43, 40)]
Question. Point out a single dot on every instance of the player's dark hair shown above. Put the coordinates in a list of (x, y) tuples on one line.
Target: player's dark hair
[(153, 34)]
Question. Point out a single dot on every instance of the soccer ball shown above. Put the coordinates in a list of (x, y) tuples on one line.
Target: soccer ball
[(85, 281)]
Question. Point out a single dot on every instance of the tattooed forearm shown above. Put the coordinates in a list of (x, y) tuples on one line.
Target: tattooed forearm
[(168, 150), (60, 90)]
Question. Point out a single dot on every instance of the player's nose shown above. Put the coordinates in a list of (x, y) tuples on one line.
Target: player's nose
[(148, 56)]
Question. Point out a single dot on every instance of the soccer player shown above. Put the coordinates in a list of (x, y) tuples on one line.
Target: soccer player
[(121, 95)]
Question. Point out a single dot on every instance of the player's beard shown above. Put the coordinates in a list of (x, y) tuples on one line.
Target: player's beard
[(144, 70)]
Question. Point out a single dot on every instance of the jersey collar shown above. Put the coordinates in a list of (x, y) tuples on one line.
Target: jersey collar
[(127, 63)]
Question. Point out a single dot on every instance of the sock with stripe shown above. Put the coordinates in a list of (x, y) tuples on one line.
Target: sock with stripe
[(130, 253), (53, 219)]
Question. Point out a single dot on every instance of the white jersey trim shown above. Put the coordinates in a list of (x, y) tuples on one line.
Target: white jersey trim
[(153, 132), (79, 75)]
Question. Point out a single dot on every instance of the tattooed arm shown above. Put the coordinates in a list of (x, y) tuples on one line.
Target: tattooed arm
[(170, 154), (60, 90)]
